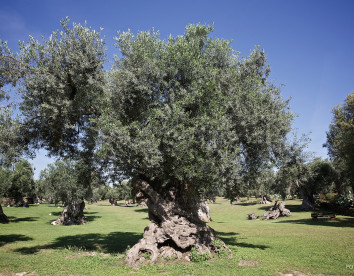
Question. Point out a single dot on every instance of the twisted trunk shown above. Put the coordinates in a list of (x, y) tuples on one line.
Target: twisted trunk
[(175, 226), (308, 202), (73, 214), (276, 211)]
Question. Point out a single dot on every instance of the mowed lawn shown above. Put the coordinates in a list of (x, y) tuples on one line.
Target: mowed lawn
[(32, 246)]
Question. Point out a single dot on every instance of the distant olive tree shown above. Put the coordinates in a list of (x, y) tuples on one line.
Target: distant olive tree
[(340, 143)]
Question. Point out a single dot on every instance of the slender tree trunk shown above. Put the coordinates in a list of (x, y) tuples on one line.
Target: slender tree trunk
[(73, 214), (3, 217), (175, 227)]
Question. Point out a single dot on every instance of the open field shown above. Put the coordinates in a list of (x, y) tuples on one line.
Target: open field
[(293, 244)]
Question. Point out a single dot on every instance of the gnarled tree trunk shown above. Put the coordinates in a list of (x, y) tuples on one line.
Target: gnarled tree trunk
[(308, 202), (3, 217), (113, 201), (175, 226), (265, 200), (276, 211), (204, 211), (73, 214)]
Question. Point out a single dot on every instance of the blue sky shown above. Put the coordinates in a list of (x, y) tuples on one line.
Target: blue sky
[(309, 44)]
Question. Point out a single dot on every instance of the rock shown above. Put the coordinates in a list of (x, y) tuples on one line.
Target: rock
[(252, 216)]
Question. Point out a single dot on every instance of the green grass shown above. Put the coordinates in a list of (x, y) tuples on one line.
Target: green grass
[(293, 244)]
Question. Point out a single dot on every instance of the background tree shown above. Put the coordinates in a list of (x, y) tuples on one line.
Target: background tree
[(100, 192), (304, 175), (185, 116), (22, 183), (340, 143), (5, 182), (294, 173), (61, 185)]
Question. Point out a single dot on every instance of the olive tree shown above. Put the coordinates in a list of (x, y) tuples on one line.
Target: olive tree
[(60, 81), (187, 115), (22, 182), (180, 117), (340, 142), (60, 183)]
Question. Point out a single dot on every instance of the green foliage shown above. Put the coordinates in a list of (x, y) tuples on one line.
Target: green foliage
[(22, 182), (146, 255), (217, 243), (346, 200), (222, 252), (183, 111), (11, 141), (340, 142), (100, 192), (60, 182), (5, 181), (62, 89), (196, 257), (190, 110)]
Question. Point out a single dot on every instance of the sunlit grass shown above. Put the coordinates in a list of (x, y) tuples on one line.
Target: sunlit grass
[(290, 244)]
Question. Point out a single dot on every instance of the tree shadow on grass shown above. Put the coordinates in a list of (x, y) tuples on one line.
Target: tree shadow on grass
[(15, 220), (338, 222), (142, 210), (294, 208), (115, 242), (231, 238), (90, 218), (5, 239), (245, 204)]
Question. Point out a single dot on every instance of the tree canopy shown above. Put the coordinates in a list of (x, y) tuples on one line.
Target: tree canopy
[(340, 140), (190, 110)]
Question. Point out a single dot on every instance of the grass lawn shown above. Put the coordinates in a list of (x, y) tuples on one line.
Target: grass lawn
[(293, 244)]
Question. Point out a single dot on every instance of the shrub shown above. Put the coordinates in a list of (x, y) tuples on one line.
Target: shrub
[(345, 200), (195, 256)]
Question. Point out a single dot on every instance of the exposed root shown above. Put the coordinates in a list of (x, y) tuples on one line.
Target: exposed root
[(174, 230)]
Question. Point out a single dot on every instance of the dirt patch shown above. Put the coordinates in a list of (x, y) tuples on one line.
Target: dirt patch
[(247, 263), (87, 254)]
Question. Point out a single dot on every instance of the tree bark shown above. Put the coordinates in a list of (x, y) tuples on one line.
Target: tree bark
[(175, 226), (265, 200), (73, 214), (3, 217), (308, 202), (252, 216), (113, 201), (204, 211), (276, 211)]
